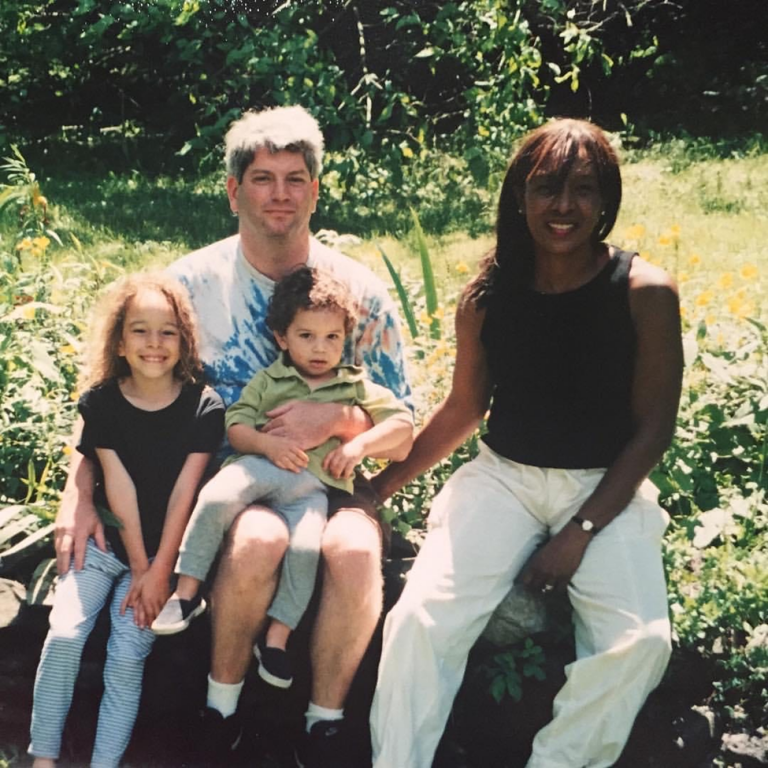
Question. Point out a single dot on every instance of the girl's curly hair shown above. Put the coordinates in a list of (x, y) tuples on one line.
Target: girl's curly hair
[(102, 361), (309, 288)]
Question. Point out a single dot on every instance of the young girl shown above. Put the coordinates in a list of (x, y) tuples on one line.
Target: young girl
[(310, 314), (150, 428)]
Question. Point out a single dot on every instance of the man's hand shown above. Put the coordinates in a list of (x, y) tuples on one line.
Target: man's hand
[(76, 521), (553, 566), (343, 459), (312, 424), (285, 453)]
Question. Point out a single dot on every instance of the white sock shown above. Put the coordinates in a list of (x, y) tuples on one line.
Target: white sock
[(223, 697), (315, 713)]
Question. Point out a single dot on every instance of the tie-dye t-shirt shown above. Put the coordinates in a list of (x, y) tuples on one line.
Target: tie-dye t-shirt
[(230, 298)]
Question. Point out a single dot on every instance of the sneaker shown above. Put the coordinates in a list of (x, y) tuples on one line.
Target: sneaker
[(274, 665), (325, 746), (219, 737), (177, 614)]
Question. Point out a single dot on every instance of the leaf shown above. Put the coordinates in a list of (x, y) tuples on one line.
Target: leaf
[(410, 318), (43, 362), (430, 291)]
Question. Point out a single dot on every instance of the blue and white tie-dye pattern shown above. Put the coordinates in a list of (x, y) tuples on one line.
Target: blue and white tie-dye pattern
[(231, 297)]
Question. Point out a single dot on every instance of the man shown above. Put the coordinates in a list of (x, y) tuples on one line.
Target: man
[(273, 161)]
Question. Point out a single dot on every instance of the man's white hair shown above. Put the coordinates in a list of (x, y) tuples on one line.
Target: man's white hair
[(276, 129)]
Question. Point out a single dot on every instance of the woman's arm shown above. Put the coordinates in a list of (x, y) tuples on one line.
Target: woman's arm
[(458, 415), (655, 397)]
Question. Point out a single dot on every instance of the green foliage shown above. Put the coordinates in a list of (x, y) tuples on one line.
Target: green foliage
[(508, 669), (41, 309)]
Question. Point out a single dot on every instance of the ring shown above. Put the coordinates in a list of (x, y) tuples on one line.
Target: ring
[(547, 588)]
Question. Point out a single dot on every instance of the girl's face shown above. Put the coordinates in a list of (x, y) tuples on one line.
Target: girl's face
[(315, 342), (151, 342), (562, 217)]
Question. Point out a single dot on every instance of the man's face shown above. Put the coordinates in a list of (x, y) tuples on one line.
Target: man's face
[(276, 197)]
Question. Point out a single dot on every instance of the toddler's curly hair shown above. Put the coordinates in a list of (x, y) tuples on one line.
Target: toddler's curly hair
[(102, 361), (309, 288)]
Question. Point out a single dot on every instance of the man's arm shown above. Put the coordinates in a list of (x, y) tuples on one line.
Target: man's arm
[(77, 519)]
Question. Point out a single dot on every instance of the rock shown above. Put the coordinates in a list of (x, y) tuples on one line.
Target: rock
[(12, 595), (519, 615), (745, 750)]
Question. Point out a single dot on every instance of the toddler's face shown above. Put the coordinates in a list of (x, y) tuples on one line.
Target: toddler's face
[(315, 342)]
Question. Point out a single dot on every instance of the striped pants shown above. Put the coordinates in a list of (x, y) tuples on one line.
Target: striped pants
[(80, 596)]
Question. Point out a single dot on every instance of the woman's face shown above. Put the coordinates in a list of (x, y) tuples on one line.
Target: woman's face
[(563, 215)]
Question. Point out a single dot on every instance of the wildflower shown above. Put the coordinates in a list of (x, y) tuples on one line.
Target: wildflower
[(704, 298), (748, 272), (665, 240), (424, 317), (462, 268), (635, 232), (67, 450), (439, 314), (674, 231), (41, 242), (725, 280), (28, 313), (67, 349), (683, 277), (683, 312), (694, 259), (24, 245)]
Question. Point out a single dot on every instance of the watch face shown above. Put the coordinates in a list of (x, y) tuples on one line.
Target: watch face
[(587, 525)]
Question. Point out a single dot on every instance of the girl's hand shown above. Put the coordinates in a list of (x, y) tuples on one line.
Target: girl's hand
[(552, 567), (133, 598), (155, 591), (343, 459), (286, 453)]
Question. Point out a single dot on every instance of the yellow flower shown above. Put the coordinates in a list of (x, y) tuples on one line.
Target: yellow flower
[(41, 242), (694, 259), (704, 298), (67, 349), (67, 450), (674, 231), (748, 272), (462, 268), (439, 314), (423, 316), (683, 312), (24, 245), (635, 232), (709, 319), (683, 277), (28, 313), (665, 239), (725, 280), (645, 255)]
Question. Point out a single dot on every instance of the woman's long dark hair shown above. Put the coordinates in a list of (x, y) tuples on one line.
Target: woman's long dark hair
[(552, 148)]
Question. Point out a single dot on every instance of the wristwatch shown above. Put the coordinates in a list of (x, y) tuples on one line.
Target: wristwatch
[(585, 525)]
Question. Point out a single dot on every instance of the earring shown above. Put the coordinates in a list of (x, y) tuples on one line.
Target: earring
[(234, 213)]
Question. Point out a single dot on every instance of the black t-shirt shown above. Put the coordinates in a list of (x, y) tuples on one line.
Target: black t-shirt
[(152, 445)]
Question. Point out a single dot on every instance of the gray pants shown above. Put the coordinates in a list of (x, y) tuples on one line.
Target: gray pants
[(299, 498)]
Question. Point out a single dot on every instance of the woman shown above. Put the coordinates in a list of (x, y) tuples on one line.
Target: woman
[(576, 345)]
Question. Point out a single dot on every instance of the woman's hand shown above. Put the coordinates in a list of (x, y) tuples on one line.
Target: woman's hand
[(552, 567)]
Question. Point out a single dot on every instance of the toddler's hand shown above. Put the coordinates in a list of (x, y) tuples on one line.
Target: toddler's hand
[(341, 461), (286, 454)]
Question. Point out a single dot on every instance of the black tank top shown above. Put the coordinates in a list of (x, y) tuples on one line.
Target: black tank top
[(562, 368)]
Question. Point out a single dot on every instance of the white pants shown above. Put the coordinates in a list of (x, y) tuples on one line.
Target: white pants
[(485, 523)]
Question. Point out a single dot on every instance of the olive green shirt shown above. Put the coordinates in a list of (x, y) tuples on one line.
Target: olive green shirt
[(281, 382)]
